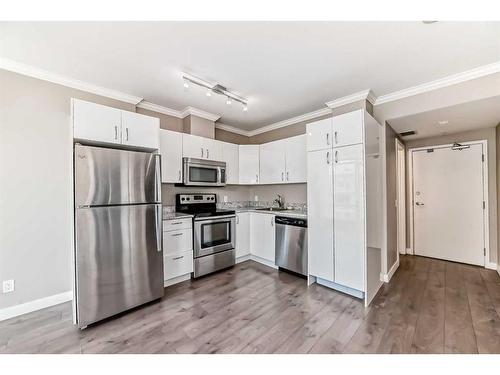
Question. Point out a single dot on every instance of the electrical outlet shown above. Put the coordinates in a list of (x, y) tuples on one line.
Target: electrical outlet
[(256, 198), (8, 286), (225, 198)]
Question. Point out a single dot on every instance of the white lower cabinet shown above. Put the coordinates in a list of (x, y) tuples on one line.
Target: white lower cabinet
[(177, 248), (262, 236), (175, 265), (349, 216), (242, 234), (320, 214)]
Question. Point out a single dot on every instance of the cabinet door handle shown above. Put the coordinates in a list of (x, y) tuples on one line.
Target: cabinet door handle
[(178, 222), (328, 157), (177, 234), (272, 221), (328, 139), (336, 157), (335, 135), (126, 132), (288, 176), (282, 176), (208, 154), (202, 152), (237, 219), (179, 176), (116, 132), (177, 258), (257, 177)]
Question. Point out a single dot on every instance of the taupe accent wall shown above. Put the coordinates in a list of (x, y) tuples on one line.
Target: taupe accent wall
[(166, 122), (490, 135)]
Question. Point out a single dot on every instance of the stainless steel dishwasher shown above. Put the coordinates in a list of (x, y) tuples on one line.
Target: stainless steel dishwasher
[(291, 244)]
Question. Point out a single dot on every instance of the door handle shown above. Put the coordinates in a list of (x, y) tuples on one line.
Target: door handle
[(237, 219), (328, 157), (419, 203), (272, 220), (282, 176), (257, 177), (177, 234), (202, 152), (327, 139), (335, 135), (208, 154), (116, 132), (158, 178), (336, 157), (288, 176), (177, 258), (158, 215), (179, 176), (126, 132)]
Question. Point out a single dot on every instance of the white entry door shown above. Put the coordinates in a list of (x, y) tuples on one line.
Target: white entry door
[(448, 204)]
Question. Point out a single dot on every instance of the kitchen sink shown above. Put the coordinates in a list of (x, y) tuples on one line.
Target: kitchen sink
[(271, 209)]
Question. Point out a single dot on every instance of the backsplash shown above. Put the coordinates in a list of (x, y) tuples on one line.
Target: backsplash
[(245, 204)]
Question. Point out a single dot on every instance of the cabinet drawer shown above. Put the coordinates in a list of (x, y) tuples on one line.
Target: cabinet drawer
[(179, 264), (177, 224), (177, 240)]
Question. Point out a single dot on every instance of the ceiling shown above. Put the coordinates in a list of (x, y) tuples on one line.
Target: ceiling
[(285, 69), (478, 114)]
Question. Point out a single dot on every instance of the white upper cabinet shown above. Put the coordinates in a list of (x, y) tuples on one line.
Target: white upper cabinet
[(348, 128), (213, 149), (249, 164), (272, 162), (230, 154), (94, 122), (320, 214), (319, 135), (262, 236), (201, 148), (349, 216), (140, 130), (171, 156), (192, 147), (99, 123), (296, 159)]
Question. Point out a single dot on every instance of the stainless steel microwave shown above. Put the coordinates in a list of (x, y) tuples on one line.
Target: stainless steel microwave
[(202, 172)]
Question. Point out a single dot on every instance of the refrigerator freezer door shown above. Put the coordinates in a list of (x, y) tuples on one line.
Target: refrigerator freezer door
[(105, 176), (119, 259)]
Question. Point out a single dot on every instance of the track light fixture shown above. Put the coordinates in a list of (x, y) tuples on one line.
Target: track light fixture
[(215, 88)]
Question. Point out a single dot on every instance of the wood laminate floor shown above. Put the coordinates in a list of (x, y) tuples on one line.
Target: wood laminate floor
[(430, 306)]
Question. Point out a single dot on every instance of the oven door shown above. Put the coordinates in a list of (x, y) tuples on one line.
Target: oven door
[(213, 235), (203, 173)]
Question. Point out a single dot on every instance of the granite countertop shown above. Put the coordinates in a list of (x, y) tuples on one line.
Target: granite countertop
[(299, 214), (176, 215)]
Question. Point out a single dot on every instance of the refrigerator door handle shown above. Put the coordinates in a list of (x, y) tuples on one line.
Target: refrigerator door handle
[(159, 229), (158, 178)]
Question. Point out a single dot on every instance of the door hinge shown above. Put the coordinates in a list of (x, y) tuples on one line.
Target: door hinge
[(484, 205)]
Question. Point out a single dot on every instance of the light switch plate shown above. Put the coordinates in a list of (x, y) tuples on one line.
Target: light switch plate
[(8, 286)]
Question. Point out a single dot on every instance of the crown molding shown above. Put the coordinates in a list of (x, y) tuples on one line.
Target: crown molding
[(291, 121), (232, 129), (31, 71), (160, 109), (356, 97), (440, 83), (199, 113)]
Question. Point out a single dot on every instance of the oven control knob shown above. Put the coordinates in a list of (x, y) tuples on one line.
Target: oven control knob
[(183, 199), (187, 199)]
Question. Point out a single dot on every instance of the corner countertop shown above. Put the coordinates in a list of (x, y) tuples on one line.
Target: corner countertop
[(298, 214), (176, 215)]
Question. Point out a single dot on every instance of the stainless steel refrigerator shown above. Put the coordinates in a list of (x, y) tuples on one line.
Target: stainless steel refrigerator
[(118, 231)]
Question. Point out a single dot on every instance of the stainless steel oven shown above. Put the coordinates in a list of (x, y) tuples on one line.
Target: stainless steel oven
[(201, 172), (213, 234)]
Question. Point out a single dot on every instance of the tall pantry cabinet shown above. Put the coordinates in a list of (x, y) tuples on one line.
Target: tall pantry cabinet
[(344, 199)]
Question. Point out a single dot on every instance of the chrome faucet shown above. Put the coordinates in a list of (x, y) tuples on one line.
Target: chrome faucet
[(280, 202)]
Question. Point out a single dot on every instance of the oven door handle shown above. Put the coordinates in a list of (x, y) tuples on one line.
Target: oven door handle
[(216, 218)]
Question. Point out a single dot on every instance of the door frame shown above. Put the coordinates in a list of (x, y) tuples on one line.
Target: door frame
[(401, 198), (486, 216)]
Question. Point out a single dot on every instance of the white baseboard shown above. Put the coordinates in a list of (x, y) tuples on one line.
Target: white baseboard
[(244, 258), (386, 277), (341, 288), (409, 251), (263, 261), (38, 304), (491, 266), (176, 280)]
